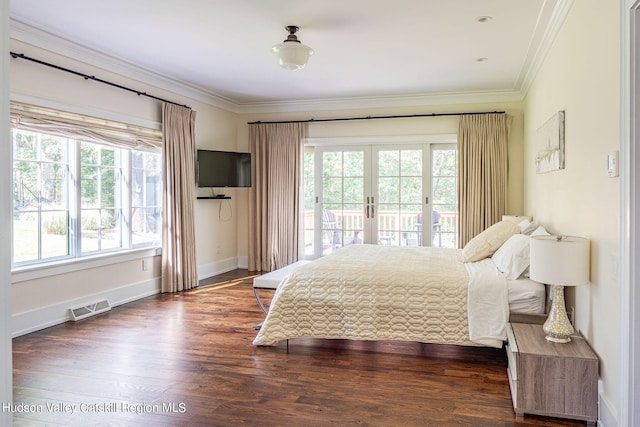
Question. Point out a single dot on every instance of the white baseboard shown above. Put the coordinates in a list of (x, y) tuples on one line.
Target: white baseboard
[(243, 262), (44, 317), (217, 267), (606, 417)]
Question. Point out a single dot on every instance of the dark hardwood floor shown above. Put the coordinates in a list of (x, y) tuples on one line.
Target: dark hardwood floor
[(187, 360)]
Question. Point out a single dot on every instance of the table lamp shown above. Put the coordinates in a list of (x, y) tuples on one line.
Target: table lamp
[(559, 261)]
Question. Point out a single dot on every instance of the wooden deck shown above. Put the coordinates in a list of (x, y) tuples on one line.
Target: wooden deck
[(187, 360)]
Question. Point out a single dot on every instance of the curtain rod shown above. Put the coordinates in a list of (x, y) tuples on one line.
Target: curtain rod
[(376, 117), (88, 77)]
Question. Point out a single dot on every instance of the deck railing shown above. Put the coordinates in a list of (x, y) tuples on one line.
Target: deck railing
[(394, 227)]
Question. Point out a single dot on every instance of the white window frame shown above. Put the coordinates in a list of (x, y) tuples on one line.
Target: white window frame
[(318, 144), (75, 209), (30, 270)]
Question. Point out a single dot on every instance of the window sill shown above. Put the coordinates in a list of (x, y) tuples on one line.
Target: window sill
[(33, 272)]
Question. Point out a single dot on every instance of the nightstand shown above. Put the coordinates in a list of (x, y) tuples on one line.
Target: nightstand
[(546, 378)]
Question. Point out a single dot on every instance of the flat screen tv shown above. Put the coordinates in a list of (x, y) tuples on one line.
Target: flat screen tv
[(223, 169)]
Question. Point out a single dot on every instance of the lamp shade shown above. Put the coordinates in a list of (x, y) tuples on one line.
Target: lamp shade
[(292, 55), (559, 260)]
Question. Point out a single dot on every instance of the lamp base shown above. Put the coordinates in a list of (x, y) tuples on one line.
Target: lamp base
[(557, 328), (558, 340)]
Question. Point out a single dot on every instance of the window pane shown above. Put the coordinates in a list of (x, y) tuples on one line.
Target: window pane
[(354, 190), (138, 181), (444, 191), (90, 230), (389, 163), (25, 236), (137, 160), (108, 187), (411, 164), (332, 164), (146, 226), (332, 190), (146, 199), (388, 189), (54, 188), (146, 189), (444, 162), (353, 163), (110, 230), (89, 186), (25, 146), (40, 197), (309, 202), (88, 154), (411, 190), (25, 185), (108, 156), (53, 149), (55, 234), (308, 182)]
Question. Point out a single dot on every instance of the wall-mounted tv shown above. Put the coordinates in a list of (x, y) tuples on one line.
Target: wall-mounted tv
[(223, 169)]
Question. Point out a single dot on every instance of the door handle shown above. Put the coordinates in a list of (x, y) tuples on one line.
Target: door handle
[(367, 211)]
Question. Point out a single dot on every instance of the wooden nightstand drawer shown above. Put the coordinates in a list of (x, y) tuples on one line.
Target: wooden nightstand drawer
[(546, 378), (512, 352)]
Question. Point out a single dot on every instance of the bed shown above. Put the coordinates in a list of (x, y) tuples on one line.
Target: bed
[(430, 295)]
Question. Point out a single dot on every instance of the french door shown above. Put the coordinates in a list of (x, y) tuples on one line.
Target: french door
[(378, 194)]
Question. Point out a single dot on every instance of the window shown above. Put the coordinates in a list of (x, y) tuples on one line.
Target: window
[(73, 198), (40, 197)]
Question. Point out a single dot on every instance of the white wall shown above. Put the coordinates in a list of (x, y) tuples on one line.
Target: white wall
[(580, 75), (39, 299)]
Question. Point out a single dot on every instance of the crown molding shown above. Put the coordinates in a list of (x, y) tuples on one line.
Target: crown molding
[(559, 13), (330, 104)]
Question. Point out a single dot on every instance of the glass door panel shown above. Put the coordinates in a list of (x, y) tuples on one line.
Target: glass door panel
[(342, 199), (308, 202), (444, 169), (400, 184)]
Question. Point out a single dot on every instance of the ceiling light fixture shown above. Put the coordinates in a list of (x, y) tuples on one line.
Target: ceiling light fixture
[(292, 55)]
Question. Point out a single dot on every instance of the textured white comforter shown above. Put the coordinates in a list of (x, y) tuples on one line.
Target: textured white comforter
[(370, 292)]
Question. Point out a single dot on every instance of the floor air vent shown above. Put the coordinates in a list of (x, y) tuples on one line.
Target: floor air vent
[(79, 313)]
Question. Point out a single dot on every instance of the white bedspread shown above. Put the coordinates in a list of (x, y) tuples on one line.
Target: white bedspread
[(488, 303), (371, 292)]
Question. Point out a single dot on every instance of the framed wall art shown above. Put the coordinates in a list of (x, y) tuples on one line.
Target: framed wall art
[(549, 144)]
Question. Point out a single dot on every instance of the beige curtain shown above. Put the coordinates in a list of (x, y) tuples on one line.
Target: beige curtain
[(274, 198), (483, 171), (179, 267)]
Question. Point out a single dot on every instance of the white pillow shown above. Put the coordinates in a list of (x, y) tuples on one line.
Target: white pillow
[(486, 243), (524, 225), (512, 258), (530, 228)]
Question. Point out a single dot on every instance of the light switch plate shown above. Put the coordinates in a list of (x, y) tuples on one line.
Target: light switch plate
[(612, 164)]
